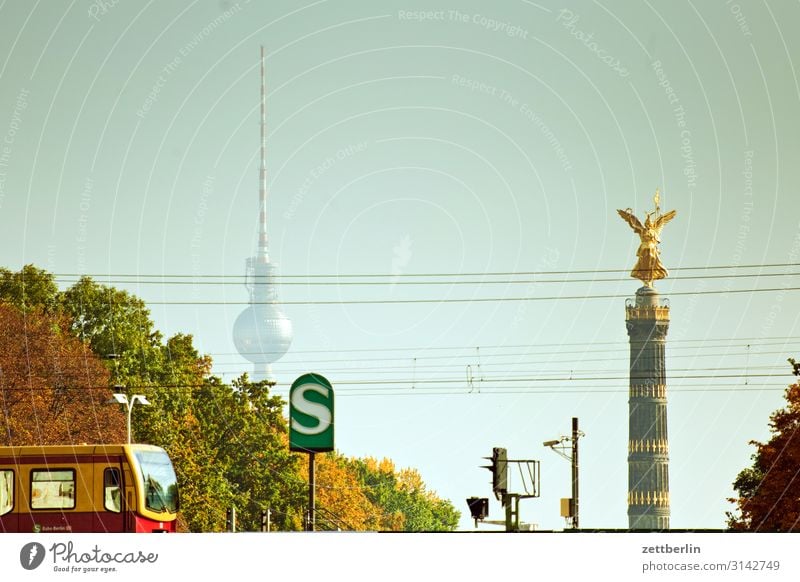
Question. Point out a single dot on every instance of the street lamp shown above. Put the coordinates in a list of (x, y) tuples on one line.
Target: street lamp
[(570, 453), (123, 399)]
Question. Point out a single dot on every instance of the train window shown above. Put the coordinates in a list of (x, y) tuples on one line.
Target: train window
[(53, 489), (161, 485), (6, 491), (112, 493)]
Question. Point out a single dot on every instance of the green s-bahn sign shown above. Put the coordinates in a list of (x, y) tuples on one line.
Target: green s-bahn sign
[(311, 414)]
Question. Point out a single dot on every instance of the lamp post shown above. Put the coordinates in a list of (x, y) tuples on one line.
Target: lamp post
[(560, 447), (123, 399)]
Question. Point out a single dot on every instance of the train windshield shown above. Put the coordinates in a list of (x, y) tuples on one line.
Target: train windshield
[(160, 483)]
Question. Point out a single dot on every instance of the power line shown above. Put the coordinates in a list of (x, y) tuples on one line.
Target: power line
[(413, 351), (565, 371), (487, 391), (409, 275), (417, 382), (276, 280), (587, 349), (488, 351), (441, 301), (487, 365), (584, 344)]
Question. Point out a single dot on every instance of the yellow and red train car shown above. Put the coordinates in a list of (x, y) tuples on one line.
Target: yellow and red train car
[(87, 488)]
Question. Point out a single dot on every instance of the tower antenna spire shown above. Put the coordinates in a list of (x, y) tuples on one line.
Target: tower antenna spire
[(263, 250), (262, 333)]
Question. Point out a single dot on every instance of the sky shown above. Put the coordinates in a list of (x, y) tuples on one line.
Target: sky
[(443, 183)]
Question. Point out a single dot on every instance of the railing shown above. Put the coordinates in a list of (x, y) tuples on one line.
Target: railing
[(660, 312)]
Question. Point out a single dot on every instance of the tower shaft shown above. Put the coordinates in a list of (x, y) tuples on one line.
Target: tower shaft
[(647, 320)]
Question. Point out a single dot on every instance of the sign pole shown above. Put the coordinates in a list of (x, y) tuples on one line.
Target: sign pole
[(311, 490), (311, 428)]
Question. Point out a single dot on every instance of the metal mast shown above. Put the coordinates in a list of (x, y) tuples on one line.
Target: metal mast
[(262, 256)]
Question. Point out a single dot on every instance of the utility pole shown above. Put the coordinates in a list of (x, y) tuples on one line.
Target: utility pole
[(575, 436), (570, 510)]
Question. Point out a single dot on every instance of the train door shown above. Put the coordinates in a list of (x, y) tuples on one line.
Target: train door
[(9, 504), (129, 499), (109, 502)]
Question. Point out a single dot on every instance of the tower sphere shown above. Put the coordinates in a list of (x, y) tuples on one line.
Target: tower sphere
[(262, 333)]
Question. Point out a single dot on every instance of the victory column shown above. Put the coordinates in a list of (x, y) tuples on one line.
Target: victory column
[(647, 320)]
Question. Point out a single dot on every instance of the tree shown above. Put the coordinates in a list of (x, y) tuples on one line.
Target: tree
[(53, 390), (400, 499), (341, 503), (769, 491), (115, 324), (366, 494), (29, 288), (427, 512), (247, 446)]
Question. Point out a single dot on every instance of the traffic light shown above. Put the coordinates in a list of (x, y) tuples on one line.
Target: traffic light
[(499, 469), (478, 508)]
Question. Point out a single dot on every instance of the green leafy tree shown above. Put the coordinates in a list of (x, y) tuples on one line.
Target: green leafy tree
[(115, 324), (248, 436), (401, 501), (769, 490), (29, 288)]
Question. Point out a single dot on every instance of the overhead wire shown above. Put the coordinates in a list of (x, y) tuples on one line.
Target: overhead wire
[(409, 275), (451, 300), (370, 385), (276, 280)]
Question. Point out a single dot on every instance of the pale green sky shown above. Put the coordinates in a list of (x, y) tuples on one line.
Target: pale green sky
[(418, 137)]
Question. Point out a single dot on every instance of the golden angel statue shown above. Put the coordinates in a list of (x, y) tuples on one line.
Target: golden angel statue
[(649, 267)]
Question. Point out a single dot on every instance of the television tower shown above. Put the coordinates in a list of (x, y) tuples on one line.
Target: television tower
[(262, 333)]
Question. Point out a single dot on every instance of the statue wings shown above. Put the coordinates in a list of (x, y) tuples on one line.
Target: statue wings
[(637, 226), (628, 217), (663, 219)]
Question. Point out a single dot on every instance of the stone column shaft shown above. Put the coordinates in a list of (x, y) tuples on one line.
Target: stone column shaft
[(648, 449)]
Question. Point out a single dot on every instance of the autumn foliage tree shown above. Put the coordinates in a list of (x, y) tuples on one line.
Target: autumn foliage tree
[(52, 389), (341, 503), (769, 490), (370, 494)]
